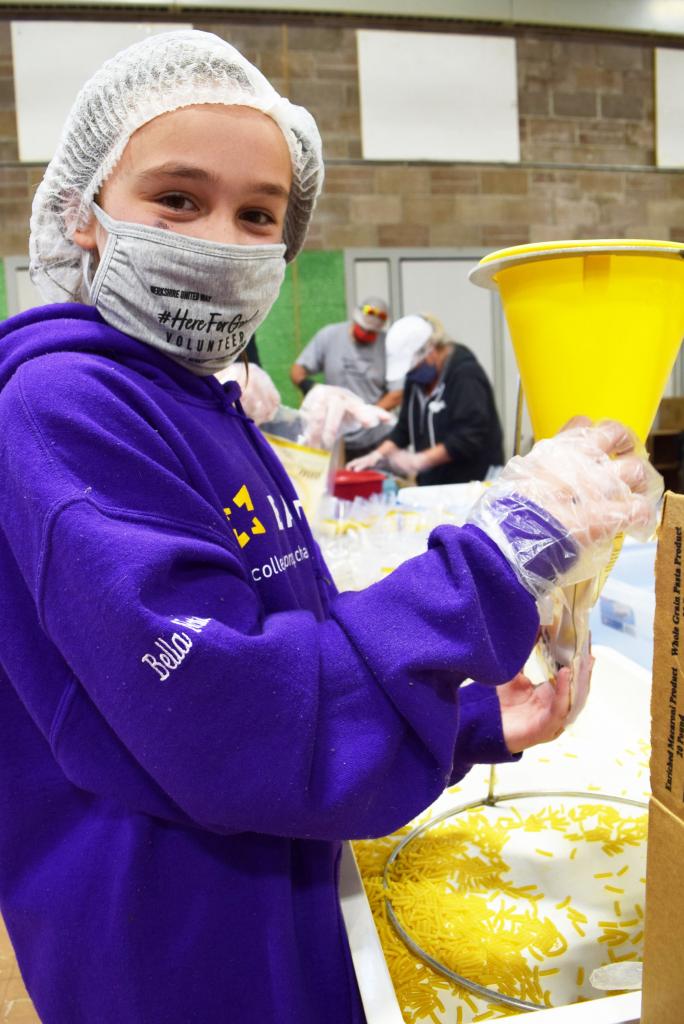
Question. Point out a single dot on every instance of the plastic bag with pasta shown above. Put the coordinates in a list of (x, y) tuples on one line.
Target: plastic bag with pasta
[(559, 515), (555, 513)]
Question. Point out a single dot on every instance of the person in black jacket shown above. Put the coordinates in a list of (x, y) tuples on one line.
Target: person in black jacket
[(448, 429)]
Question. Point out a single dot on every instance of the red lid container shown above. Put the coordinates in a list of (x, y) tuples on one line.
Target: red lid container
[(350, 485)]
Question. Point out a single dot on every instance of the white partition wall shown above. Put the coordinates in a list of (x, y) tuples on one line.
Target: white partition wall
[(441, 286), (22, 294), (373, 278)]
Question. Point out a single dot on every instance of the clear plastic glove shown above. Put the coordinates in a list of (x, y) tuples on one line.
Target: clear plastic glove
[(260, 397), (329, 410), (374, 458), (406, 463), (399, 461), (556, 512)]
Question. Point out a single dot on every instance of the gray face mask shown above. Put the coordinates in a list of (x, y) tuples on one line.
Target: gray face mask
[(199, 302)]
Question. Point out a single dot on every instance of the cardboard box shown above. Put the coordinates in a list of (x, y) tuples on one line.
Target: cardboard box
[(663, 986)]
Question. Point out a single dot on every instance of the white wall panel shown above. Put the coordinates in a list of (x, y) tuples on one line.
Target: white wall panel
[(429, 96), (52, 60), (669, 89)]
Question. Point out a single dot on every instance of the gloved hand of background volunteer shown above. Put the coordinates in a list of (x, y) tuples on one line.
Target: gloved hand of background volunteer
[(398, 460), (556, 512), (406, 463), (369, 461), (328, 410), (260, 397)]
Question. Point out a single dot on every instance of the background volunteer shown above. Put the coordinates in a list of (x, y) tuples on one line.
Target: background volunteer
[(191, 717), (351, 355), (448, 429)]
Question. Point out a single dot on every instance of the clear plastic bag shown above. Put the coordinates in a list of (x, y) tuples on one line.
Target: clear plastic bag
[(556, 512), (310, 469)]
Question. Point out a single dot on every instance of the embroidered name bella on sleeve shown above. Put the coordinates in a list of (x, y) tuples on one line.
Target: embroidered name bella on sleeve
[(172, 652)]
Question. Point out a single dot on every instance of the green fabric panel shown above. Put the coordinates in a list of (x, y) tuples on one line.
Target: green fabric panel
[(3, 292), (313, 295)]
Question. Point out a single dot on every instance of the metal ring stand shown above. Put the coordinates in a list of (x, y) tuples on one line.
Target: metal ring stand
[(490, 801)]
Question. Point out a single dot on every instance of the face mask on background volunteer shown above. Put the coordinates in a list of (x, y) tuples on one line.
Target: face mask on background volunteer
[(197, 301), (423, 373)]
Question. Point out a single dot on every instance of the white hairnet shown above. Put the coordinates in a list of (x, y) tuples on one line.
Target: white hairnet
[(152, 77)]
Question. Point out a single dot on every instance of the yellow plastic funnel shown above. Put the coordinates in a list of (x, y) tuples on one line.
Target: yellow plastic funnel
[(596, 326)]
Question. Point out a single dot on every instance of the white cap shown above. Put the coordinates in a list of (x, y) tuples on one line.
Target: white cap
[(405, 338), (159, 74)]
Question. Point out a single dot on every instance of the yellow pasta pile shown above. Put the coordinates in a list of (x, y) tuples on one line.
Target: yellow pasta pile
[(452, 892)]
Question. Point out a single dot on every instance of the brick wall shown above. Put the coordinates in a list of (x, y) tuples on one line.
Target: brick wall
[(587, 138)]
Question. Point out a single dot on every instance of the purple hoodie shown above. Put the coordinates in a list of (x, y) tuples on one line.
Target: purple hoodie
[(191, 717)]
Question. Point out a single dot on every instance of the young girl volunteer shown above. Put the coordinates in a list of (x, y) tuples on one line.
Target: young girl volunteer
[(191, 717)]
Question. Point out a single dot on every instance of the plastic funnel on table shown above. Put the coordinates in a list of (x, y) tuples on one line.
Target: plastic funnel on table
[(596, 326)]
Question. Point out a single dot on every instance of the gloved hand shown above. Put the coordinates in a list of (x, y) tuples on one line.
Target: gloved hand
[(328, 411), (260, 397), (373, 458), (405, 463), (400, 461), (556, 512)]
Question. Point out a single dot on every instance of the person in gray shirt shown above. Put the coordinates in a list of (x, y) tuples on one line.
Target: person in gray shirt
[(351, 354)]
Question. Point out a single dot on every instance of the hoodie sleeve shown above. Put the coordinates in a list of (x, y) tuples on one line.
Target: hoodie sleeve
[(279, 723), (480, 731), (468, 430)]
